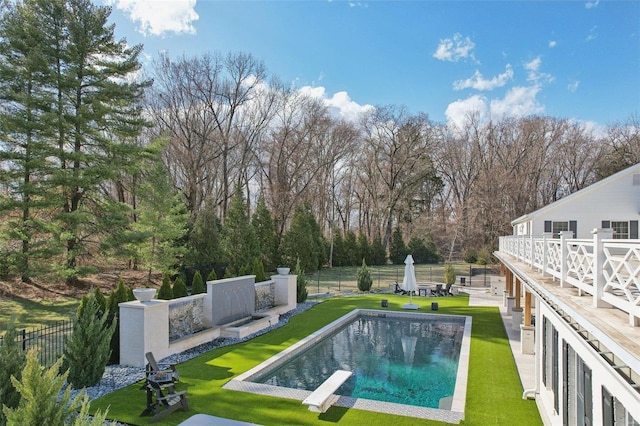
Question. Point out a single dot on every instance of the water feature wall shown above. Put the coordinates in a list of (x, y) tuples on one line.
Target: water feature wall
[(186, 316), (265, 295), (231, 299), (166, 327)]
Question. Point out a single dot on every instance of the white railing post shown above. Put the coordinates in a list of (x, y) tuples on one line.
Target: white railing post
[(522, 246), (545, 252), (564, 254), (533, 250), (598, 264)]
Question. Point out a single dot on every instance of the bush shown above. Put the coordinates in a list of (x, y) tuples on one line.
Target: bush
[(87, 350), (42, 401), (470, 256), (449, 274), (12, 361), (121, 294), (212, 276), (258, 270), (197, 285), (301, 284), (364, 278), (179, 288), (165, 292)]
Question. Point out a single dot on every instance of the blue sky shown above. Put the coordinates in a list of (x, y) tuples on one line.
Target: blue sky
[(568, 59)]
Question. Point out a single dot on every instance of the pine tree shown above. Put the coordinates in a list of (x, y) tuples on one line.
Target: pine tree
[(303, 241), (163, 218), (197, 285), (258, 270), (121, 294), (87, 351), (265, 231), (301, 283), (351, 248), (25, 132), (179, 288), (212, 276), (203, 248), (12, 361), (43, 402), (239, 242), (397, 249), (363, 278), (378, 254), (364, 248), (165, 292)]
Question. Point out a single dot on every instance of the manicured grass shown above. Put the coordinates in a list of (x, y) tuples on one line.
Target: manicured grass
[(36, 313), (493, 392)]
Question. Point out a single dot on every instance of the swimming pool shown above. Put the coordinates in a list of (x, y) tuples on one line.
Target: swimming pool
[(403, 363)]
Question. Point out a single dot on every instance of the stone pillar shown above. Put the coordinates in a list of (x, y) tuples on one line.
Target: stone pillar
[(285, 292), (527, 339), (516, 318), (511, 303), (144, 327)]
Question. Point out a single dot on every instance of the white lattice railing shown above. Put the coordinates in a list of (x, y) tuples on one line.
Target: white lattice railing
[(607, 269)]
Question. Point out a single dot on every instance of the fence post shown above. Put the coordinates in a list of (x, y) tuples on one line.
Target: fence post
[(598, 265), (564, 253)]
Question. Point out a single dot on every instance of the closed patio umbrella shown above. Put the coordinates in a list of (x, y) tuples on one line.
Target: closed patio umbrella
[(409, 282)]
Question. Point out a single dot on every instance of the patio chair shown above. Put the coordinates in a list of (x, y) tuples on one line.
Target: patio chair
[(397, 289), (154, 367), (436, 291), (446, 291), (166, 404)]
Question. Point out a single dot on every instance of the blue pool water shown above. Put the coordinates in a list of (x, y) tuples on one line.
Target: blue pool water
[(410, 361)]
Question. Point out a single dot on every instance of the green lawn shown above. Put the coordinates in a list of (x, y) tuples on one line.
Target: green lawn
[(36, 313), (493, 393), (332, 280)]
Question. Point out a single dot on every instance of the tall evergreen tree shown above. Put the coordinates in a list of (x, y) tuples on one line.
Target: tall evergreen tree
[(397, 248), (203, 247), (163, 218), (364, 248), (303, 241), (265, 231), (378, 254), (24, 131), (239, 242), (351, 249)]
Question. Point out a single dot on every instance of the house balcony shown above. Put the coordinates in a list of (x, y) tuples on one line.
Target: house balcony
[(592, 284)]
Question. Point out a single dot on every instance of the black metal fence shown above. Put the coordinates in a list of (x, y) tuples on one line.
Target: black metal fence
[(49, 340)]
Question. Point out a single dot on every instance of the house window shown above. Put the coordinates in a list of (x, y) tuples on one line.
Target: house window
[(614, 413), (620, 230), (557, 227)]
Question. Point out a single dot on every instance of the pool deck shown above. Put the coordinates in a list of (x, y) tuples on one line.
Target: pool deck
[(482, 296)]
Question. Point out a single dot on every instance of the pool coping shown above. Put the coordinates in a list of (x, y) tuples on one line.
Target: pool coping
[(454, 415)]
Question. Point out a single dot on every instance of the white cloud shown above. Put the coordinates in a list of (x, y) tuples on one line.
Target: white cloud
[(552, 43), (478, 82), (455, 49), (534, 74), (592, 33), (591, 4), (573, 86), (459, 112), (519, 101), (160, 17), (340, 104)]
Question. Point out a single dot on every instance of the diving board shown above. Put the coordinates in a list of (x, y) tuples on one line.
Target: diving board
[(322, 398)]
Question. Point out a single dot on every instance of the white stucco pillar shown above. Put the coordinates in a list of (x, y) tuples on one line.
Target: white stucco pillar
[(144, 327), (527, 339), (285, 292), (516, 318)]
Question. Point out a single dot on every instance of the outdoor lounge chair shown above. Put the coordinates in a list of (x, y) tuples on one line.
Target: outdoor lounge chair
[(446, 291), (166, 404), (154, 367), (437, 291)]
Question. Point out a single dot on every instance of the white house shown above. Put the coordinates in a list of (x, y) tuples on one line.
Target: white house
[(613, 203), (580, 293)]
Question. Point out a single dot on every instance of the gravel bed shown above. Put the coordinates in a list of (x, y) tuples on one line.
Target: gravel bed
[(119, 376)]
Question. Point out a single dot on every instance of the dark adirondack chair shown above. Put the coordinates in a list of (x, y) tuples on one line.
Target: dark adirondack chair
[(166, 404), (437, 291), (154, 367)]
